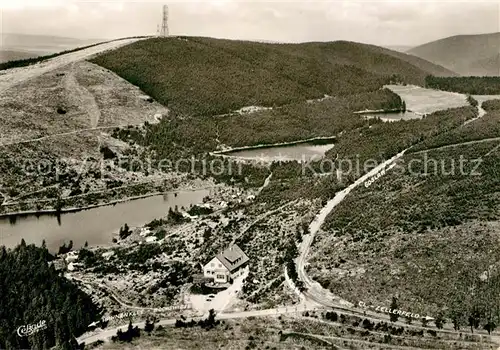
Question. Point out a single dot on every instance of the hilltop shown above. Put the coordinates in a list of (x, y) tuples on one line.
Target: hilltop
[(464, 54), (205, 76)]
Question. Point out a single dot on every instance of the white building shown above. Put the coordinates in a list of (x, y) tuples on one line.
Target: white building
[(227, 265), (144, 232), (151, 239), (72, 256), (107, 255), (74, 266)]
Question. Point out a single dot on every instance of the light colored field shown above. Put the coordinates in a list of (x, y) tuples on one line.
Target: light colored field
[(426, 101)]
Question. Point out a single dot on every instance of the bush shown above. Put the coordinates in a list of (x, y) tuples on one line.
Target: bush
[(331, 316), (367, 324), (128, 336), (472, 101), (198, 211), (207, 323), (107, 152), (149, 326), (61, 110)]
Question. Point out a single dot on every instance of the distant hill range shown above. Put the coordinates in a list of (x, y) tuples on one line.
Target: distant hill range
[(400, 48), (464, 54), (9, 55), (20, 46)]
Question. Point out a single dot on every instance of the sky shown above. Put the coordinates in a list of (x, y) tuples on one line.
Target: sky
[(381, 22)]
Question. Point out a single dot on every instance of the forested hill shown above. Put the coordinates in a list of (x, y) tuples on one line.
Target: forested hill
[(31, 292), (465, 54), (205, 76), (422, 64)]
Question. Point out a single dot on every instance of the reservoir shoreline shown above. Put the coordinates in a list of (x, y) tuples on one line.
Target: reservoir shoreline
[(54, 212), (314, 140)]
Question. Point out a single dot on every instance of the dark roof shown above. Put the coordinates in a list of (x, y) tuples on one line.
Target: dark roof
[(233, 257)]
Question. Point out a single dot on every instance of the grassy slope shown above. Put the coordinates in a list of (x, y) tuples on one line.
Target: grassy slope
[(423, 238), (464, 54), (204, 76), (288, 332)]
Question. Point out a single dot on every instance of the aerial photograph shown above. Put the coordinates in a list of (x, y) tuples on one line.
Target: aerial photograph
[(249, 174)]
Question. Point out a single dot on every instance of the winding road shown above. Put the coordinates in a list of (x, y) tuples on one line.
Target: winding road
[(108, 333), (314, 291)]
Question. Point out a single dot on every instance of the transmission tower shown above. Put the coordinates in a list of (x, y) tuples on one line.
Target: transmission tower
[(164, 24)]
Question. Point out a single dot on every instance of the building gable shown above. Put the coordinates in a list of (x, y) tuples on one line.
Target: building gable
[(215, 265)]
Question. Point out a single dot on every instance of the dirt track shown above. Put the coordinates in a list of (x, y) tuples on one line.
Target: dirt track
[(12, 77), (63, 109), (82, 97)]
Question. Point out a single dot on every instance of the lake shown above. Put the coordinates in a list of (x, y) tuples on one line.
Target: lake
[(426, 101), (299, 152), (484, 98), (96, 226)]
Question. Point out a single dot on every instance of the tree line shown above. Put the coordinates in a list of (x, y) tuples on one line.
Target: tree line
[(465, 85), (32, 291)]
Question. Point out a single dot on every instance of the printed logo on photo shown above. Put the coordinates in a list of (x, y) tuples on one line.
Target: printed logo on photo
[(30, 329)]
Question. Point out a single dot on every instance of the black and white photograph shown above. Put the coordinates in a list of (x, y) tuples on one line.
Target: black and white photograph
[(229, 174)]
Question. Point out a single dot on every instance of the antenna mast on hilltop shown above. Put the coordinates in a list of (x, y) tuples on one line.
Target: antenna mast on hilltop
[(164, 24)]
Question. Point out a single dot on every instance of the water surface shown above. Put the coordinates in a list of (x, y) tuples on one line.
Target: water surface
[(426, 101), (484, 98), (299, 152), (96, 226)]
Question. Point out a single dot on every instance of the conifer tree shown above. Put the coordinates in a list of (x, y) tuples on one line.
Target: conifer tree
[(394, 305)]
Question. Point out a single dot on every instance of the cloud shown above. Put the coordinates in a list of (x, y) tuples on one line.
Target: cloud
[(381, 22)]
